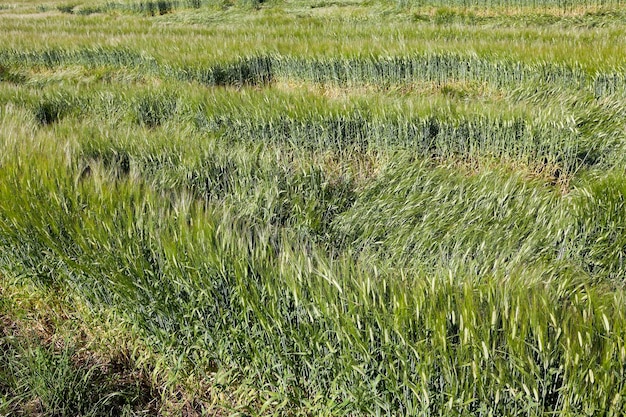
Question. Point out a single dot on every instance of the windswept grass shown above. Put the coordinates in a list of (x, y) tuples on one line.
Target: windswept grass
[(203, 38), (303, 208)]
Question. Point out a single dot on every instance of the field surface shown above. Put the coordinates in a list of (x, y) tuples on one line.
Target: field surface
[(312, 208)]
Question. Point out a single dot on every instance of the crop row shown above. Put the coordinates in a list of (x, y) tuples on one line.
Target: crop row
[(160, 7), (384, 71), (557, 147), (563, 4), (516, 140), (146, 7)]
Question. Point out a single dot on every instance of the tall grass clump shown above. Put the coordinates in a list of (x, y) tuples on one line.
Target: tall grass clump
[(47, 367), (43, 381), (599, 208), (417, 214), (154, 110), (11, 76), (52, 109)]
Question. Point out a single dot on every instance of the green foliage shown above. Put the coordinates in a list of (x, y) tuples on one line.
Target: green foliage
[(366, 230), (417, 214), (379, 70), (600, 211), (152, 111), (8, 75), (317, 329), (52, 109), (156, 7), (45, 381)]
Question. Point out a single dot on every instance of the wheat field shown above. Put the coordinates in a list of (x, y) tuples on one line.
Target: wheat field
[(312, 208)]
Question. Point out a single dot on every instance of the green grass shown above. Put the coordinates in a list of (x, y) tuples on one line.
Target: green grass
[(51, 367), (299, 208)]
